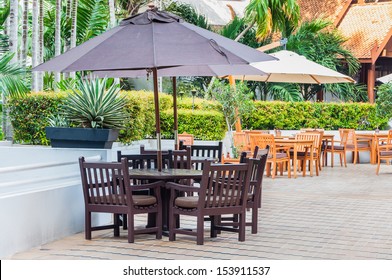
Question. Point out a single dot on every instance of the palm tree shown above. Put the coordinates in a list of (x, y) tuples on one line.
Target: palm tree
[(40, 80), (34, 45), (57, 36), (112, 13), (270, 16), (74, 18), (23, 43), (13, 34), (11, 74)]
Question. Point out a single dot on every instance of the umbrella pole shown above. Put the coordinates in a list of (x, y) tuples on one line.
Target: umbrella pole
[(157, 119), (175, 116)]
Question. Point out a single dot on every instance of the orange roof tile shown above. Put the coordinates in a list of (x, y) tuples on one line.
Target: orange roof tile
[(328, 9), (366, 26)]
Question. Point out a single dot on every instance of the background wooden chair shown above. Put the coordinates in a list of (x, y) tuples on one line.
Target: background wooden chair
[(241, 142), (107, 189), (207, 151), (277, 156), (187, 139), (384, 151), (354, 144), (148, 160), (223, 190), (339, 147), (304, 154)]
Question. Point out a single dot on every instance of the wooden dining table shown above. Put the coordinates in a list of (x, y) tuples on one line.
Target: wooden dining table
[(294, 144), (374, 138), (167, 175)]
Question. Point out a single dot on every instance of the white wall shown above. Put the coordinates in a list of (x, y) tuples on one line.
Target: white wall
[(41, 205)]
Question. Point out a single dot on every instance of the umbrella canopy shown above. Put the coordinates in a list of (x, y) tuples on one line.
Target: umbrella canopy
[(294, 68), (154, 40), (193, 70), (385, 79)]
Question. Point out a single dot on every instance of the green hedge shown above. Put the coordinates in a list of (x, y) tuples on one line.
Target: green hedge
[(204, 125), (330, 116), (29, 116)]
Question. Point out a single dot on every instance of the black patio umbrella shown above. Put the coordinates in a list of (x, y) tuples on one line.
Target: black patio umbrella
[(154, 40)]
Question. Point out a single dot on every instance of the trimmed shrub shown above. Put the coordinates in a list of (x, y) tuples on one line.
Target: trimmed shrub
[(330, 116), (29, 116), (204, 125)]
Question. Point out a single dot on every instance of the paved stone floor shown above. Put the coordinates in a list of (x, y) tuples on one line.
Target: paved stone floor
[(345, 213)]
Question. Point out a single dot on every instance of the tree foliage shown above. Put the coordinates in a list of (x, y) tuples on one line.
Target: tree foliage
[(189, 14), (384, 100), (272, 16)]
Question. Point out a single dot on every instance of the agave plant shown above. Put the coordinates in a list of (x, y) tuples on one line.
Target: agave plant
[(91, 105)]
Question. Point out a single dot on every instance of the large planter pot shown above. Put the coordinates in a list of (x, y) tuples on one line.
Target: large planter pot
[(71, 137)]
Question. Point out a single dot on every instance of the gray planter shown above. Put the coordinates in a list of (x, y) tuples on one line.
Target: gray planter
[(72, 137)]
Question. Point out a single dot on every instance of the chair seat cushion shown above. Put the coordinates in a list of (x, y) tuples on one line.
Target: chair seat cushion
[(187, 201), (359, 146), (303, 154), (385, 153), (144, 200), (337, 148), (281, 155)]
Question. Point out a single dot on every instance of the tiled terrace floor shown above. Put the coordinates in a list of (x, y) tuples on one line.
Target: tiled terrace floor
[(345, 213)]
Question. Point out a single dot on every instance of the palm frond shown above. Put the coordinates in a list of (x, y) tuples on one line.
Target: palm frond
[(284, 92), (11, 77)]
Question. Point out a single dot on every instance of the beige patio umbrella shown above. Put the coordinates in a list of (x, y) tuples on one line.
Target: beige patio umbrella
[(294, 68)]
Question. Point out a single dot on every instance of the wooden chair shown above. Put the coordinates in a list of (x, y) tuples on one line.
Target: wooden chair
[(305, 155), (354, 144), (241, 142), (148, 160), (223, 190), (254, 194), (338, 147), (277, 156), (384, 151), (182, 160), (208, 151), (187, 139), (144, 151), (107, 189)]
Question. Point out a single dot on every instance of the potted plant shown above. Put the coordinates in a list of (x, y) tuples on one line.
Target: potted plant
[(91, 117), (236, 102)]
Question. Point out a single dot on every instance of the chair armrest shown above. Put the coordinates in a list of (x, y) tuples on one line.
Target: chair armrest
[(154, 185), (179, 187), (385, 147)]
